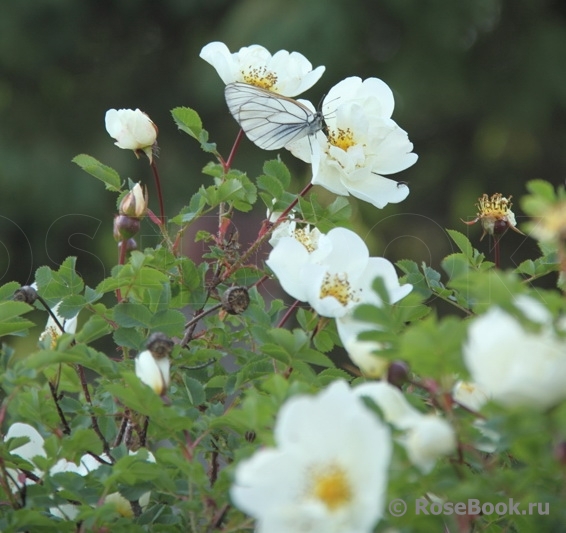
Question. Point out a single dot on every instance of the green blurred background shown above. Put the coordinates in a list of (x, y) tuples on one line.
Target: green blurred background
[(480, 87)]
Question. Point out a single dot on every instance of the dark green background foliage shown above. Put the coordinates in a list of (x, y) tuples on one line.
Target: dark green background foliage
[(479, 85)]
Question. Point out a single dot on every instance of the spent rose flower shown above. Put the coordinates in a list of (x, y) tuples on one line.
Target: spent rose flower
[(328, 471), (426, 437), (132, 129), (362, 144), (284, 73), (514, 366)]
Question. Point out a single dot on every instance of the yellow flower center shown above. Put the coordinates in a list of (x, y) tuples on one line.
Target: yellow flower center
[(342, 138), (260, 77), (496, 206), (332, 487), (338, 286), (304, 237)]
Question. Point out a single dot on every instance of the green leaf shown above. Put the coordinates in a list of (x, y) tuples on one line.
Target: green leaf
[(462, 242), (170, 322), (277, 169), (7, 291), (187, 120), (94, 328), (11, 322), (132, 315), (95, 168)]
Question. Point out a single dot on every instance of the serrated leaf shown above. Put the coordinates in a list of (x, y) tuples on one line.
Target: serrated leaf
[(94, 328), (462, 242), (278, 170), (187, 120), (95, 168), (131, 315)]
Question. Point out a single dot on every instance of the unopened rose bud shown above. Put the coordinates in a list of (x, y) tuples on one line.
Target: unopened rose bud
[(235, 300), (125, 227), (25, 294), (398, 373), (131, 245), (133, 130), (134, 204), (153, 372)]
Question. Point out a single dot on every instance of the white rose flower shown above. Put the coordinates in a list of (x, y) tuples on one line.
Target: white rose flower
[(87, 463), (516, 367), (363, 144), (328, 472), (133, 130), (333, 273), (426, 437), (469, 395), (52, 330), (284, 73)]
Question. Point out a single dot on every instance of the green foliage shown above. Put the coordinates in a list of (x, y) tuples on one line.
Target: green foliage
[(233, 368)]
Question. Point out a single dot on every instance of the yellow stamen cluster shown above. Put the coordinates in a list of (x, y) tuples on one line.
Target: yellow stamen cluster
[(332, 487), (496, 206), (342, 138), (260, 77), (495, 215), (305, 239), (338, 286)]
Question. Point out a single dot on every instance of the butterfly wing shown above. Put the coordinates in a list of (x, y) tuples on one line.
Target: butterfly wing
[(270, 120)]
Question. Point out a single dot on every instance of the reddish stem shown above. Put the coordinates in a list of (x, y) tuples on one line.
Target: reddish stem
[(158, 187), (122, 245), (496, 252), (288, 314), (228, 163)]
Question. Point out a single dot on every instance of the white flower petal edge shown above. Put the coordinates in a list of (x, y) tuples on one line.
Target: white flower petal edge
[(334, 276), (362, 144), (426, 437), (328, 472), (132, 130), (515, 367), (153, 372), (284, 73)]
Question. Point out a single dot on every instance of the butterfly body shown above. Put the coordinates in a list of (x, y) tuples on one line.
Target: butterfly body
[(270, 120)]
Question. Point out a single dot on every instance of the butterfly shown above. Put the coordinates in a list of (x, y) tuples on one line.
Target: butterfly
[(270, 120)]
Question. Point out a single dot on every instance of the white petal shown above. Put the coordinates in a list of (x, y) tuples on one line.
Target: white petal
[(149, 372), (286, 260)]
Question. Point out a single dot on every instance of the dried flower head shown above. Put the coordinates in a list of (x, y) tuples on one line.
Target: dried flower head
[(495, 215)]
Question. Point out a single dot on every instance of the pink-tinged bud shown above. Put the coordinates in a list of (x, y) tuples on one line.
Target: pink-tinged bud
[(134, 204), (131, 244), (133, 130), (125, 227)]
